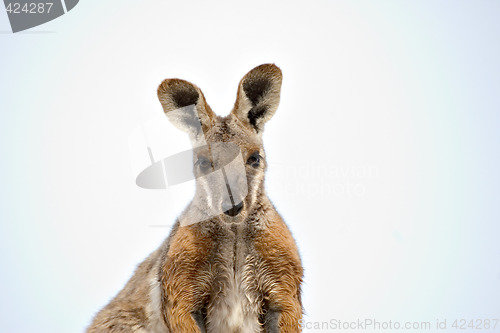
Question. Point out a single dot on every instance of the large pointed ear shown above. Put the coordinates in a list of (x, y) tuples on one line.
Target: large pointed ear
[(258, 96), (185, 106)]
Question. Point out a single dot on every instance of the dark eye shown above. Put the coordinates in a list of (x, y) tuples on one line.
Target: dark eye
[(204, 163), (254, 160)]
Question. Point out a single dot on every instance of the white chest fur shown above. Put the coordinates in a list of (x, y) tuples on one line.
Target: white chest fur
[(235, 312)]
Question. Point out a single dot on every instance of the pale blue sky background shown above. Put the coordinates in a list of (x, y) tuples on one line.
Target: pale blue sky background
[(383, 154)]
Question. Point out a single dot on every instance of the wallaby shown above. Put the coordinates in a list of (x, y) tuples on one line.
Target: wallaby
[(230, 263)]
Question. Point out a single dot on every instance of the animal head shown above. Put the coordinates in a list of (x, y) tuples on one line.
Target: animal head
[(228, 156)]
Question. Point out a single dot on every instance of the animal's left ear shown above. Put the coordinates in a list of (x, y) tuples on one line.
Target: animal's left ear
[(258, 96)]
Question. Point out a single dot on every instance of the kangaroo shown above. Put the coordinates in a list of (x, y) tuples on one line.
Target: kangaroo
[(230, 263)]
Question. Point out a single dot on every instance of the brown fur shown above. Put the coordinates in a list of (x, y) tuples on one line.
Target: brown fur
[(218, 272)]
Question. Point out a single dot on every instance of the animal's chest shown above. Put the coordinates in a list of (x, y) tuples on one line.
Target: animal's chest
[(235, 303)]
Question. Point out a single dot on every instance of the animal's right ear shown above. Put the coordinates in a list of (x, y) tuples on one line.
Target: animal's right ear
[(185, 106)]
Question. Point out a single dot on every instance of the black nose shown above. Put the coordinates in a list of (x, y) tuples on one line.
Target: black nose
[(235, 210)]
